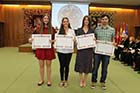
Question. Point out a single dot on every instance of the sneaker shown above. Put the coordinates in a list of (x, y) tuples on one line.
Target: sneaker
[(93, 85), (103, 86)]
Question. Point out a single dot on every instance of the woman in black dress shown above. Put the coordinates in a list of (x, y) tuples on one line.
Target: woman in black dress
[(84, 57)]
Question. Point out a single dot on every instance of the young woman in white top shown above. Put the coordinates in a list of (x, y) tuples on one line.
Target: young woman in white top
[(64, 55)]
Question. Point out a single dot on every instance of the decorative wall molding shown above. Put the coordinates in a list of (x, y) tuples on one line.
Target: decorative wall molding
[(96, 14), (29, 17)]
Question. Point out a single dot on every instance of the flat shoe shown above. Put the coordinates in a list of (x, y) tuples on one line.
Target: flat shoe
[(49, 84), (40, 83), (61, 84), (65, 84), (81, 85)]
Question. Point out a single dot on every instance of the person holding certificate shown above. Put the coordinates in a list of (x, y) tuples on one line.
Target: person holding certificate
[(64, 54), (102, 33), (83, 63), (45, 55)]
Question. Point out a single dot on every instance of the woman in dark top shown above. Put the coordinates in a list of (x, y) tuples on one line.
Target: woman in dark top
[(136, 60), (84, 57), (128, 59)]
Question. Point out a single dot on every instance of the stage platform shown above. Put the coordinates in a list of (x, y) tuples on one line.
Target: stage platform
[(25, 48)]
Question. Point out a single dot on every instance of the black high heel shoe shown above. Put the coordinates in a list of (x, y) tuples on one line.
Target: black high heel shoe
[(40, 83)]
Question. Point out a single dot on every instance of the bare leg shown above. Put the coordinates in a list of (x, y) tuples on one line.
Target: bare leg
[(41, 65), (48, 66), (81, 79), (84, 79)]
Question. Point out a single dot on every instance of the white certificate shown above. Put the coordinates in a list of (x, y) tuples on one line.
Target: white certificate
[(64, 42), (105, 48), (41, 41), (85, 41)]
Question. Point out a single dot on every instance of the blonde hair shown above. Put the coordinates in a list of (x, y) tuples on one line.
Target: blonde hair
[(132, 38)]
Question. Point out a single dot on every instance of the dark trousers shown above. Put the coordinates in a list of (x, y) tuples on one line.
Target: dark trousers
[(105, 61), (117, 53), (122, 56), (64, 60), (137, 61), (128, 59)]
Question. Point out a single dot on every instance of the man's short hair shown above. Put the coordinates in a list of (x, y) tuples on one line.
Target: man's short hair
[(105, 15)]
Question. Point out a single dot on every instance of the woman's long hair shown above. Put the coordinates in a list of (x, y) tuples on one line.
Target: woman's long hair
[(49, 24), (89, 25), (62, 31)]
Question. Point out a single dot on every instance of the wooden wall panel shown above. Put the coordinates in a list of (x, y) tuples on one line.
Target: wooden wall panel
[(1, 14), (138, 16), (14, 31), (14, 26), (128, 16)]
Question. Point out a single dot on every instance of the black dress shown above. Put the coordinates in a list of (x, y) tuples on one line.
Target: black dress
[(84, 57)]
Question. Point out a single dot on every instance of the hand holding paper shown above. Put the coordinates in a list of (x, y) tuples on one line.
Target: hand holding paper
[(41, 41), (85, 41), (105, 48)]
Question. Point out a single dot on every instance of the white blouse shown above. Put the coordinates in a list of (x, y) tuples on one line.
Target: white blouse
[(70, 32)]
